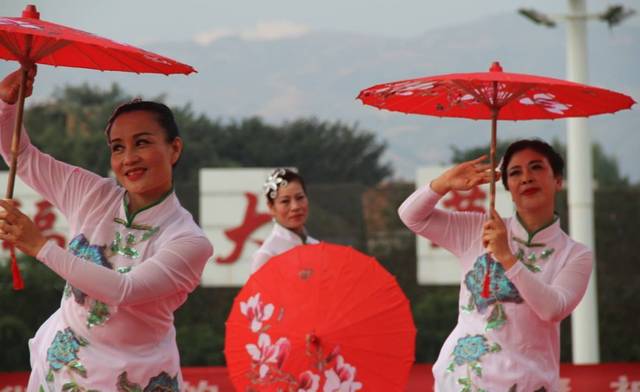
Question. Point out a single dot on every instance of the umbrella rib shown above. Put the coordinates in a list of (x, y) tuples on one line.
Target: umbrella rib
[(11, 47), (472, 92), (78, 48), (518, 94), (363, 319), (46, 50), (352, 287), (149, 64)]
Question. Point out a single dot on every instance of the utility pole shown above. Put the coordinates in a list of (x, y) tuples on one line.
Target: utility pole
[(584, 320)]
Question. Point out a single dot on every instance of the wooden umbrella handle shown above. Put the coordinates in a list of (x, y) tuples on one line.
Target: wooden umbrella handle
[(15, 140)]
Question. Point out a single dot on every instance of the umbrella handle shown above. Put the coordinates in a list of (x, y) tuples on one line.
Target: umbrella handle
[(15, 140), (492, 159)]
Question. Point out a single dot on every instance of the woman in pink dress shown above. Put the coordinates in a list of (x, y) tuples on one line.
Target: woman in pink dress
[(520, 276), (135, 255)]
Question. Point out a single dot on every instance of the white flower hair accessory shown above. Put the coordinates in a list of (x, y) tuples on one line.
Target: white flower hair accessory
[(274, 181)]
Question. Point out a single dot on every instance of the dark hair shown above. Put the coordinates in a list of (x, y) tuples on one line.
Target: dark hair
[(289, 176), (537, 145), (162, 113)]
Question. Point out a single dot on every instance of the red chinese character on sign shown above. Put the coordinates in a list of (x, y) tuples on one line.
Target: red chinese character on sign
[(624, 385), (466, 200), (45, 220), (239, 235), (471, 200)]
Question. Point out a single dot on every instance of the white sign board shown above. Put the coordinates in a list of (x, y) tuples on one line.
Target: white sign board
[(235, 217), (50, 221), (437, 266)]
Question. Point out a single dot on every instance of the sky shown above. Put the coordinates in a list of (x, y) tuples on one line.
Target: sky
[(146, 21)]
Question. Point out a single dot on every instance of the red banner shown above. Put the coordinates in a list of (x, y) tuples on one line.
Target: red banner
[(615, 377)]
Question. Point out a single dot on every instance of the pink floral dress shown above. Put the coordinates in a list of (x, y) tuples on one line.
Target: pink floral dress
[(126, 275), (508, 341)]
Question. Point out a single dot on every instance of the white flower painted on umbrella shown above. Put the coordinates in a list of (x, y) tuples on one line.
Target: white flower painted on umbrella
[(19, 23), (548, 102), (308, 382), (256, 312), (341, 378), (265, 353)]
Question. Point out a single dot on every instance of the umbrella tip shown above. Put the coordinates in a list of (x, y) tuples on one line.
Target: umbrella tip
[(495, 67), (30, 11)]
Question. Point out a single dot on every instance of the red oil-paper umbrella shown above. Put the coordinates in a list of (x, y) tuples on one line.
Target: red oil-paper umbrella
[(30, 40), (494, 95), (320, 317)]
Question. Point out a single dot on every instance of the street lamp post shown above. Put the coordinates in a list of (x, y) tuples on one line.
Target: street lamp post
[(584, 324)]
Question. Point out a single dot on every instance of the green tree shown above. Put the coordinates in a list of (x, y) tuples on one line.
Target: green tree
[(323, 151)]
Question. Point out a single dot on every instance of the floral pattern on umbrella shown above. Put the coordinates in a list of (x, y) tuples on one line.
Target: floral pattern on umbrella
[(268, 357)]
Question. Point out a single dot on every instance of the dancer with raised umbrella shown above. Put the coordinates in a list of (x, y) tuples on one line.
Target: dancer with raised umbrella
[(135, 255)]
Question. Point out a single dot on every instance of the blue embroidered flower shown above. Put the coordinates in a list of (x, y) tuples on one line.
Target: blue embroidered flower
[(64, 351), (79, 246), (163, 383), (469, 349), (501, 289)]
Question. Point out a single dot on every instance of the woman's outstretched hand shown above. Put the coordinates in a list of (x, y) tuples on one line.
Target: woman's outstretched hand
[(19, 229), (496, 240), (10, 85), (464, 176)]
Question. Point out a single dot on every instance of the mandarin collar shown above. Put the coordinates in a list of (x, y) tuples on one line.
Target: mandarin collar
[(537, 238), (149, 215)]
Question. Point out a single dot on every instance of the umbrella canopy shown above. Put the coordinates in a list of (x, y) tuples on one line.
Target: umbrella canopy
[(478, 95), (494, 95), (30, 41), (320, 318)]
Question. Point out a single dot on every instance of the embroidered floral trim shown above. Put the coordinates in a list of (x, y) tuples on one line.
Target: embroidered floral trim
[(163, 382), (468, 352), (500, 289), (98, 313), (127, 249), (514, 388), (63, 354), (531, 260)]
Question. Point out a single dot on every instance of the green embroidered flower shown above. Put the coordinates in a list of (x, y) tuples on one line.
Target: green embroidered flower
[(98, 314), (160, 383), (130, 241)]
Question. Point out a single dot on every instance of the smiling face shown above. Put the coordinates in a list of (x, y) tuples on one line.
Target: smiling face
[(141, 157), (532, 183), (290, 208)]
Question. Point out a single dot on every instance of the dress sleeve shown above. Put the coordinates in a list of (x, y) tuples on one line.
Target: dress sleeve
[(556, 300), (176, 267), (42, 172), (455, 231), (259, 259)]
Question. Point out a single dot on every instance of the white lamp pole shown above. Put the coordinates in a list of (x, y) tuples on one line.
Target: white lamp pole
[(584, 320)]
